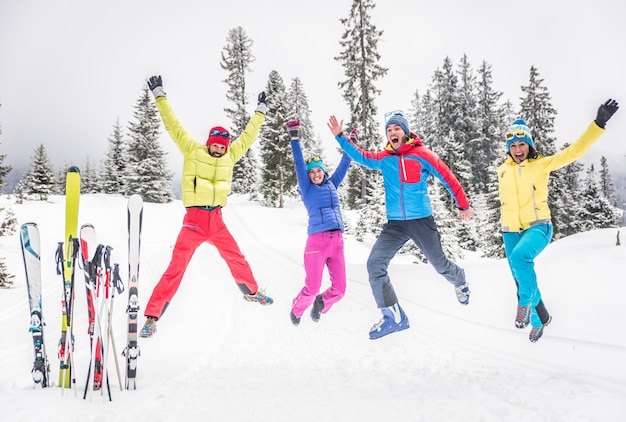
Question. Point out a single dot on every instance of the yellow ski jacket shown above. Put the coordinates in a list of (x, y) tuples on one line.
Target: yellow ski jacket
[(523, 187), (206, 180)]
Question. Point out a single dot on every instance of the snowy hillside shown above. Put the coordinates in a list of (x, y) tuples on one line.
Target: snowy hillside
[(216, 357)]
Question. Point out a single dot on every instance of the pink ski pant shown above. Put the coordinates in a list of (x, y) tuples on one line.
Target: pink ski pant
[(322, 249)]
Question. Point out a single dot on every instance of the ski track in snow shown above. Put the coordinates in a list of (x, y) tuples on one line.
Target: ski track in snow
[(252, 362)]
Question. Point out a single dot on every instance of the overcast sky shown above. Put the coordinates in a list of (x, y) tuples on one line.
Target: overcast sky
[(70, 68)]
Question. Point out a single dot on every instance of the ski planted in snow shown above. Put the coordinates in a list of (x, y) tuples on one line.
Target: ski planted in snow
[(91, 253), (66, 259), (135, 216), (31, 252)]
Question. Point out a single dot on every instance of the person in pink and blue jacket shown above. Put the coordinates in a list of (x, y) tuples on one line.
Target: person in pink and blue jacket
[(324, 245), (406, 164)]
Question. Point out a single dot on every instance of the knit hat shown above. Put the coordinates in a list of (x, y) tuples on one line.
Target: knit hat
[(314, 162), (218, 135), (518, 131), (401, 121)]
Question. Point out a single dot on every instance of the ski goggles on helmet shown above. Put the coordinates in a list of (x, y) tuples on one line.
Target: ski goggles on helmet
[(390, 114), (218, 133), (517, 134)]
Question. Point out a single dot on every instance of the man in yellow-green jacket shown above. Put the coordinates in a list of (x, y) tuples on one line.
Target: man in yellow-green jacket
[(524, 213), (206, 183)]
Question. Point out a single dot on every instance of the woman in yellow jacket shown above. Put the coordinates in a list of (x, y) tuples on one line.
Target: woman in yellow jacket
[(524, 213)]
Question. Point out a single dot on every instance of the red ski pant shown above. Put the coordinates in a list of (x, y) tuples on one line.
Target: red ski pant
[(200, 225), (322, 249)]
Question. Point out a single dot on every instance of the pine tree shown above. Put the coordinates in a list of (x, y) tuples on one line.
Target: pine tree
[(6, 279), (426, 122), (89, 177), (446, 105), (20, 190), (488, 148), (566, 192), (373, 214), (299, 106), (236, 59), (596, 212), (147, 172), (360, 60), (606, 184), (277, 172), (114, 166), (8, 222), (539, 114), (60, 178), (467, 133), (39, 180), (4, 170)]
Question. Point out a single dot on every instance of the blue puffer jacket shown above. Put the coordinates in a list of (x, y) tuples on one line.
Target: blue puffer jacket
[(321, 201), (405, 175)]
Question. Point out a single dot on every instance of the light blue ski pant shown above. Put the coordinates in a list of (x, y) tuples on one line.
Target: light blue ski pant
[(521, 250)]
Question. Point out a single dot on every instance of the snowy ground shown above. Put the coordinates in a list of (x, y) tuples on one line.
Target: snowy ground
[(217, 357)]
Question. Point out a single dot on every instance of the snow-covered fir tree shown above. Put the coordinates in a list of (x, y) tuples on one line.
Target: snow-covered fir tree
[(147, 172), (416, 115), (4, 170), (446, 106), (8, 222), (424, 121), (39, 180), (60, 178), (20, 190), (596, 212), (373, 213), (488, 148), (113, 168), (278, 176), (606, 184), (6, 279), (467, 133), (566, 192), (299, 109), (455, 158), (89, 177), (236, 59), (536, 108), (360, 59)]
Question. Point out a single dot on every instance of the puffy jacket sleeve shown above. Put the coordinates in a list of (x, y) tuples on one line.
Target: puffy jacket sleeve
[(340, 172), (177, 132), (443, 173), (368, 159), (575, 150), (298, 159), (240, 145)]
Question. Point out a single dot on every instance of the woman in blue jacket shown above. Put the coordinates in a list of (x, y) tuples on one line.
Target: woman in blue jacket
[(324, 246)]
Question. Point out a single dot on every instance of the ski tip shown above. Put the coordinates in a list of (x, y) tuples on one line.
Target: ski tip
[(73, 169), (135, 199)]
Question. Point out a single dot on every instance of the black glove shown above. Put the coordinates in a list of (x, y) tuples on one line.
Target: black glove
[(605, 112), (155, 83), (262, 105)]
